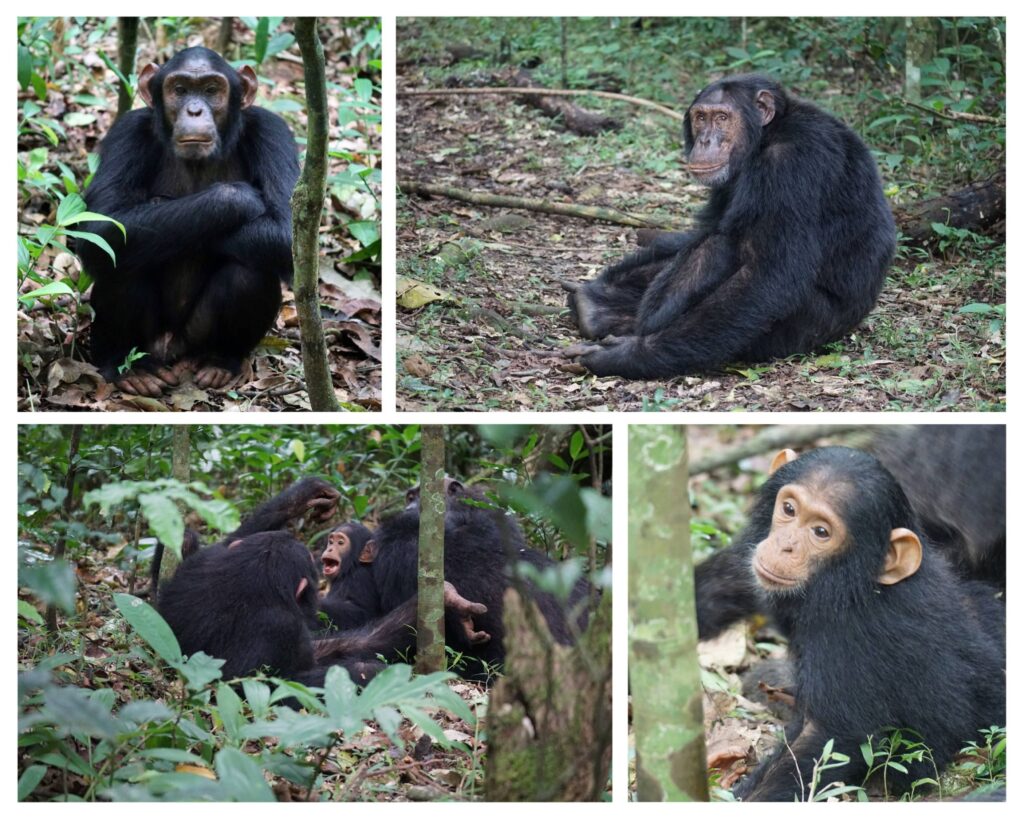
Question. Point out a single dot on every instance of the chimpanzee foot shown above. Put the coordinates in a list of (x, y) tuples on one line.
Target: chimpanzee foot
[(210, 376), (465, 609), (147, 382)]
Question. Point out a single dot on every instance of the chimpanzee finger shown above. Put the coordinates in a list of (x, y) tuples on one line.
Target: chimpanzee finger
[(570, 286), (141, 384), (580, 350)]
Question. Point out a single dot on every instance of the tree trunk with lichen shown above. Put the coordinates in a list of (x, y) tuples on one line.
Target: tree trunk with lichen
[(549, 721), (430, 579), (668, 722), (307, 208)]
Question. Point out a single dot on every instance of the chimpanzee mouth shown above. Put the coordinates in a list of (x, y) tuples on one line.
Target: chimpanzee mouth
[(705, 169), (331, 566), (195, 141), (769, 578)]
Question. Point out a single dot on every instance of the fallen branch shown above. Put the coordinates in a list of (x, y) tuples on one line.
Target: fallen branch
[(962, 116), (542, 206), (770, 440), (548, 92)]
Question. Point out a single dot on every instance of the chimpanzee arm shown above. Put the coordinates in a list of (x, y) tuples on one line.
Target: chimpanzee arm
[(157, 232), (726, 590), (292, 503), (663, 247), (265, 243)]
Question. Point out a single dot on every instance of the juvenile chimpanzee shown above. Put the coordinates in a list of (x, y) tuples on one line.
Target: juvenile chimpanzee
[(955, 479), (789, 253), (347, 562), (201, 181), (481, 547), (251, 600), (882, 634)]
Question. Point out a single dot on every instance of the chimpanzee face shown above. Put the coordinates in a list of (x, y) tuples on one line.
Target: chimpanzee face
[(720, 134), (195, 97)]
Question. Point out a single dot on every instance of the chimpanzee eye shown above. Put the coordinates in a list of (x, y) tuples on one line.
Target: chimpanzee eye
[(179, 90), (788, 509), (722, 117), (820, 532), (211, 90)]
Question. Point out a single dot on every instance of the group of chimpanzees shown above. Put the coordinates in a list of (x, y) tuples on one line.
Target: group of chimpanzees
[(885, 631), (790, 252), (251, 599), (202, 181)]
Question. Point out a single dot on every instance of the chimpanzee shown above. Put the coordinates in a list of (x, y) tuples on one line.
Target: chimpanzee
[(352, 598), (201, 181), (481, 546), (790, 252), (251, 600), (955, 479), (882, 633)]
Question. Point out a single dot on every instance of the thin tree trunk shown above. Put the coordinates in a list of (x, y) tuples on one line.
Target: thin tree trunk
[(307, 208), (227, 25), (60, 547), (430, 605), (127, 43), (166, 561), (668, 723)]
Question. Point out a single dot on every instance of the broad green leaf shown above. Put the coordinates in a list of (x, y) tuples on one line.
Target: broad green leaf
[(241, 778), (150, 626), (164, 519)]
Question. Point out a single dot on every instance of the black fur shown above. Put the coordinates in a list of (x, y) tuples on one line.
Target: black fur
[(790, 252)]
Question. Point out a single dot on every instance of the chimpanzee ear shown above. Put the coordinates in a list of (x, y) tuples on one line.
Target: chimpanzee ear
[(781, 459), (234, 543), (249, 85), (765, 101), (903, 559), (369, 553), (455, 486), (301, 588), (145, 76)]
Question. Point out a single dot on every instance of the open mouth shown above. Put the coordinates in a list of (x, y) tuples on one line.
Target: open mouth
[(330, 566), (770, 578)]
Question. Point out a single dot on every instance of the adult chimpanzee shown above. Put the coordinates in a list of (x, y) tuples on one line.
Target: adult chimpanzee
[(789, 253), (881, 632), (482, 545), (955, 479), (201, 181), (251, 600)]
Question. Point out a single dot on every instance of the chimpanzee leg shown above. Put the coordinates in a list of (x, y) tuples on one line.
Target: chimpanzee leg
[(232, 315), (128, 315)]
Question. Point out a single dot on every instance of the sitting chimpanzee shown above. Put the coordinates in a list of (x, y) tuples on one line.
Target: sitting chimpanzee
[(955, 479), (251, 600), (482, 545), (790, 252), (882, 634), (201, 181)]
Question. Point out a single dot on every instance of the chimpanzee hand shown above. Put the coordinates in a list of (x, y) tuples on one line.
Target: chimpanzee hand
[(316, 495), (240, 198)]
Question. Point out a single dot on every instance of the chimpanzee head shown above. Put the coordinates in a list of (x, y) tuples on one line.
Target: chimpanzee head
[(347, 546), (198, 98), (724, 125), (835, 517), (273, 567)]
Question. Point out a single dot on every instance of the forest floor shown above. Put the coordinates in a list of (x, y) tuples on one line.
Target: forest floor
[(491, 341), (53, 361)]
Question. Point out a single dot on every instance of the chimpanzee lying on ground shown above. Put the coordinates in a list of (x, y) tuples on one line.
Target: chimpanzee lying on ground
[(251, 600), (882, 634), (789, 253), (481, 547)]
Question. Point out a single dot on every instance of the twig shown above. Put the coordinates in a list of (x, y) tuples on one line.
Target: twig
[(559, 208), (956, 115), (542, 92)]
